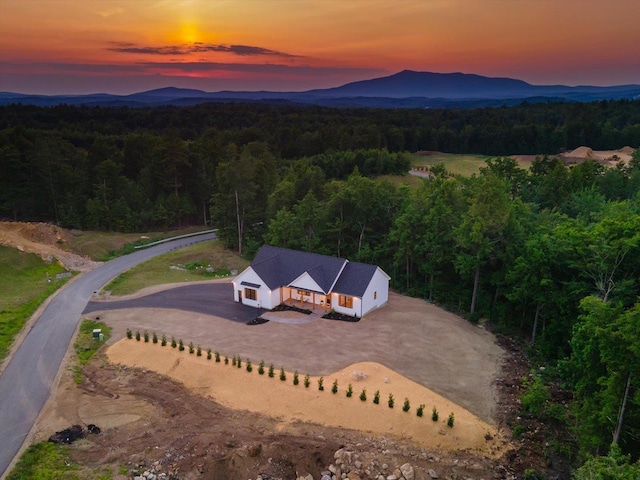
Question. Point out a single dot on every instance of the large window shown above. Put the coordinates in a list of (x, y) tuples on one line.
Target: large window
[(345, 301), (250, 294)]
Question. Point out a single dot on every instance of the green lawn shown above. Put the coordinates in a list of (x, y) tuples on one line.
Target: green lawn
[(192, 262), (24, 283), (465, 165)]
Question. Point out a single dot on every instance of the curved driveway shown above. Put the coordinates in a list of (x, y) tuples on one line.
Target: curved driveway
[(209, 299), (26, 381)]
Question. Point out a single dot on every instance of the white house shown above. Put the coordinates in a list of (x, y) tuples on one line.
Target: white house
[(279, 275)]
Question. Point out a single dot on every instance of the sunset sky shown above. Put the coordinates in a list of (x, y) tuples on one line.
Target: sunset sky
[(91, 46)]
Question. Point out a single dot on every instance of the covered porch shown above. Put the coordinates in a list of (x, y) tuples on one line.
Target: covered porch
[(305, 299)]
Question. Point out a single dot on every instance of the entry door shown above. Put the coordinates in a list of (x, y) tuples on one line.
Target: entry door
[(240, 296)]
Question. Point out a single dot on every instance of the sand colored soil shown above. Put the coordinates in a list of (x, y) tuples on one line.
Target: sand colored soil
[(44, 240), (606, 157), (236, 388)]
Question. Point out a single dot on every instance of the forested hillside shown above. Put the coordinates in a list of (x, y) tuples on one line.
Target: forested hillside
[(551, 254)]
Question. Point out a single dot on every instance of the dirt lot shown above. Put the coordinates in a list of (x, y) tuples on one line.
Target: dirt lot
[(152, 423), (422, 342)]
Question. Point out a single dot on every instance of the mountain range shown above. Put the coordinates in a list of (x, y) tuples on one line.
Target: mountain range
[(406, 89)]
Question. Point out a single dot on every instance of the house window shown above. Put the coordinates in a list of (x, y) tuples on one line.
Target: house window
[(345, 301), (304, 293), (250, 294)]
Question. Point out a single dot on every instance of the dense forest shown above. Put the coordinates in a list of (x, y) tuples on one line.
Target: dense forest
[(550, 254)]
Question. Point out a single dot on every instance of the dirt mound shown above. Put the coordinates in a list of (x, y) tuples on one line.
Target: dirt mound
[(580, 152), (45, 240), (627, 149)]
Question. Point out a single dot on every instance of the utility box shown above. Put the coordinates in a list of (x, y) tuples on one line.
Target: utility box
[(97, 333)]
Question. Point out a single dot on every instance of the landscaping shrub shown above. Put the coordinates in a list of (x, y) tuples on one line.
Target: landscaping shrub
[(154, 337), (261, 368), (226, 360), (217, 355), (138, 335), (435, 415), (334, 387), (239, 362), (376, 397), (363, 395), (249, 366), (271, 370), (173, 343), (406, 406), (146, 337), (450, 420), (349, 391), (191, 348), (283, 376), (233, 362), (198, 351), (306, 381), (391, 401), (321, 384), (129, 334), (296, 380), (163, 341), (208, 354), (420, 410), (180, 345)]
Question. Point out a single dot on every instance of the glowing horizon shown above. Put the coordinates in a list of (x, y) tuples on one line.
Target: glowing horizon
[(67, 46)]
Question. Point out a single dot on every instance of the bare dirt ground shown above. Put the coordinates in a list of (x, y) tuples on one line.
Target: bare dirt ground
[(46, 241), (151, 422), (608, 158)]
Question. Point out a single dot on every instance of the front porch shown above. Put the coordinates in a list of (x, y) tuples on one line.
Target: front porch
[(305, 300)]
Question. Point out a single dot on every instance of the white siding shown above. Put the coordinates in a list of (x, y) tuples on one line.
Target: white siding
[(354, 311), (265, 297), (305, 282), (377, 293)]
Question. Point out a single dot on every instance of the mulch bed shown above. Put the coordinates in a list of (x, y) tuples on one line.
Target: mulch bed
[(341, 317), (257, 321), (283, 308)]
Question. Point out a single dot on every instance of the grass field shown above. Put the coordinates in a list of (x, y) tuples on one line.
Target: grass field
[(24, 283), (192, 262), (106, 245), (465, 165)]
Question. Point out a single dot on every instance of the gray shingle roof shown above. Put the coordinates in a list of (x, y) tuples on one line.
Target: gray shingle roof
[(280, 266), (355, 279)]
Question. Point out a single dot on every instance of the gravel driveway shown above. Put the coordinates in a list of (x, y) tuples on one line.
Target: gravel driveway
[(426, 344)]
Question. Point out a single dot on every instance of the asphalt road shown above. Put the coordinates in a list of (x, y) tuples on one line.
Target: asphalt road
[(209, 299), (26, 381)]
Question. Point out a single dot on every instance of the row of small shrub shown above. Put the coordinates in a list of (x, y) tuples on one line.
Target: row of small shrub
[(237, 362)]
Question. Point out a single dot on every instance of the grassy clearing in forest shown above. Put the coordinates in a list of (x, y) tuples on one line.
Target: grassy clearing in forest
[(191, 261), (465, 165), (26, 281)]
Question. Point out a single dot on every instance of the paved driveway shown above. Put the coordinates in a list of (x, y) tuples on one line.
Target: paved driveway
[(208, 298)]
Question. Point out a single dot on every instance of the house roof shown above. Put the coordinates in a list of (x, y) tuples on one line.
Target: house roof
[(280, 266), (355, 279)]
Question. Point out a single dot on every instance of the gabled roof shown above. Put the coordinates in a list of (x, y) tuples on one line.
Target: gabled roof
[(355, 279), (280, 266)]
